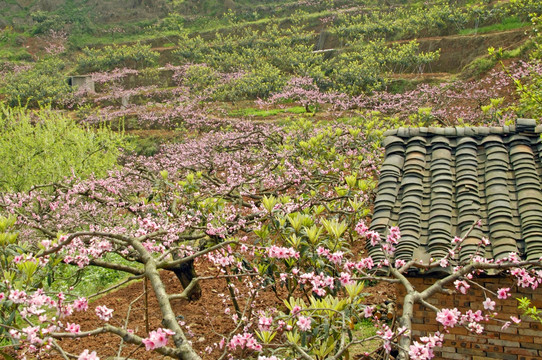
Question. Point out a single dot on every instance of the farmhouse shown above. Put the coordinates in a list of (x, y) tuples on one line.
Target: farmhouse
[(435, 183)]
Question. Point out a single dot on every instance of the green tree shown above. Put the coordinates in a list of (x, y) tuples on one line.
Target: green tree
[(44, 146), (44, 84)]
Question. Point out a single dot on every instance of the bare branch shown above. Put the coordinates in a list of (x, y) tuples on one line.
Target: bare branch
[(173, 264)]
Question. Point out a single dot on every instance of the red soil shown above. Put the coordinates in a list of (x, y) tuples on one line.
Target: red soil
[(205, 317)]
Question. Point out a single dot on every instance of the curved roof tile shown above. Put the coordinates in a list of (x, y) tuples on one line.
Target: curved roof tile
[(436, 182)]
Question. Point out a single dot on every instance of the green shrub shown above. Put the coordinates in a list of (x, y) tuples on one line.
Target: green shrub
[(45, 21), (136, 56), (44, 84), (256, 83), (200, 77), (44, 146)]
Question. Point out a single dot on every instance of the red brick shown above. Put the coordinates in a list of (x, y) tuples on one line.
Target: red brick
[(529, 332), (515, 337), (498, 329), (469, 351), (503, 356), (531, 346), (527, 352), (452, 355), (448, 349), (508, 343), (472, 339)]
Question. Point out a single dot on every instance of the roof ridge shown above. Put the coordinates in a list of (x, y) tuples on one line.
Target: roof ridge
[(527, 127)]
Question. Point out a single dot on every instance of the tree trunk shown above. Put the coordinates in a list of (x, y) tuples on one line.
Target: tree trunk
[(185, 273), (406, 321)]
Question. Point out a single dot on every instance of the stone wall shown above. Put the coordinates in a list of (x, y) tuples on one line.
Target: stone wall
[(518, 342)]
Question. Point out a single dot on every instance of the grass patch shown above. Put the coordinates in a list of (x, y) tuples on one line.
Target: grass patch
[(265, 113), (482, 65), (507, 24), (363, 330), (89, 280)]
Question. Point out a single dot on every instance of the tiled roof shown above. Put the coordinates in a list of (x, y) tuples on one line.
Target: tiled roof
[(436, 182)]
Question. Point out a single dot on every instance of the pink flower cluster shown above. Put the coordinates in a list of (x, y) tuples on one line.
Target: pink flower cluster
[(244, 341), (104, 313), (448, 317), (278, 252), (265, 322), (462, 286), (157, 339), (304, 323), (86, 355), (424, 350), (471, 319)]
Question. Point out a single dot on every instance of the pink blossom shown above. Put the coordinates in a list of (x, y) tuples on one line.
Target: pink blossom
[(457, 240), (18, 297), (366, 263), (503, 293), (345, 279), (322, 251), (157, 339), (264, 323), (462, 286), (80, 304), (361, 228), (373, 237), (420, 351), (489, 304), (448, 317), (245, 340), (475, 327), (336, 257), (424, 351), (282, 252), (104, 313), (85, 355), (73, 328), (304, 323)]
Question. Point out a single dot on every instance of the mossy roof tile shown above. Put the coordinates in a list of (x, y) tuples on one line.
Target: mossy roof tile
[(436, 182)]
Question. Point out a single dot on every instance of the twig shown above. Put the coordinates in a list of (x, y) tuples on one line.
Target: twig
[(146, 304), (115, 286), (126, 323)]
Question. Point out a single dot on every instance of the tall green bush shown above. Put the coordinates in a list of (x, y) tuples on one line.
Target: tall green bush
[(40, 147), (137, 56), (43, 84)]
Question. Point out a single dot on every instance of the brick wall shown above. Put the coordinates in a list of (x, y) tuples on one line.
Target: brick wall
[(518, 342)]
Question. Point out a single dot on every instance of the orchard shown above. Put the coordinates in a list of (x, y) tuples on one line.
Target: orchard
[(257, 170)]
